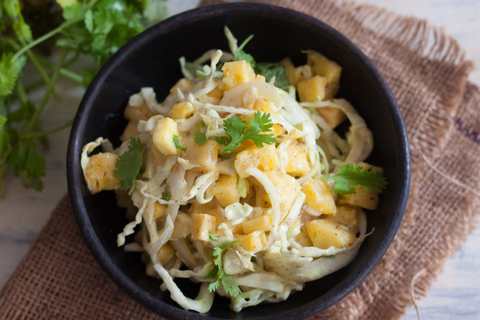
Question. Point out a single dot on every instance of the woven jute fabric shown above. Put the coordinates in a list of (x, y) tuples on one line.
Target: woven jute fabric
[(427, 70)]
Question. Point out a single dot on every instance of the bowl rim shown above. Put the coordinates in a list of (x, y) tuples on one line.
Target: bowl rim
[(75, 176)]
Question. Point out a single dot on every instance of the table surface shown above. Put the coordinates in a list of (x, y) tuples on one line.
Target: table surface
[(455, 293)]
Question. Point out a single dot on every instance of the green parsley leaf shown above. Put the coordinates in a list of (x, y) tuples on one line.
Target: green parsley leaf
[(258, 129), (274, 70), (166, 195), (13, 11), (130, 163), (10, 68), (349, 176), (200, 138), (178, 144), (222, 280)]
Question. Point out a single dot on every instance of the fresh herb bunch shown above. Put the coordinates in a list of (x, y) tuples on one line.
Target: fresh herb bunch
[(94, 29), (222, 280)]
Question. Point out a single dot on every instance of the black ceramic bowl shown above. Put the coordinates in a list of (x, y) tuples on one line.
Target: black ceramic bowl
[(151, 59)]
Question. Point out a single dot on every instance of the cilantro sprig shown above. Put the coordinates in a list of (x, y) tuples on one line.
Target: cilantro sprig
[(82, 30), (129, 164), (178, 143), (222, 280), (257, 129), (350, 176)]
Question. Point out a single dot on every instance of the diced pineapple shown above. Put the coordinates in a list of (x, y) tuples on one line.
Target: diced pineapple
[(237, 72), (183, 226), (303, 73), (100, 172), (361, 198), (319, 196), (264, 105), (298, 164), (217, 93), (181, 110), (325, 234), (312, 89), (333, 117), (303, 239), (205, 155), (130, 131), (290, 70), (163, 134), (135, 113), (211, 208), (262, 223), (159, 211), (165, 253), (183, 84), (326, 68), (202, 226), (253, 242), (225, 190), (277, 130), (265, 159), (347, 216), (262, 199)]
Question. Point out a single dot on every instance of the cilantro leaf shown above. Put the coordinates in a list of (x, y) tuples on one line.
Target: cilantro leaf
[(274, 70), (10, 68), (166, 195), (13, 11), (222, 280), (178, 144), (258, 129), (130, 163), (349, 176), (200, 138)]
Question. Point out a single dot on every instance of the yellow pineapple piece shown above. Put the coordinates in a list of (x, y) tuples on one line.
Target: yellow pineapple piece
[(326, 233), (347, 216), (262, 199), (303, 239), (262, 223), (333, 117), (159, 211), (264, 105), (237, 72), (330, 70), (292, 75), (100, 172), (165, 254), (312, 89), (253, 242), (298, 164), (211, 208), (183, 226), (205, 155), (319, 196), (181, 110), (265, 159), (165, 130), (130, 131), (277, 130), (202, 226), (360, 198), (225, 190), (217, 93), (136, 113)]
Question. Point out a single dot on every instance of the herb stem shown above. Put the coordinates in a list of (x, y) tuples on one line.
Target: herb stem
[(21, 93), (38, 65), (72, 75)]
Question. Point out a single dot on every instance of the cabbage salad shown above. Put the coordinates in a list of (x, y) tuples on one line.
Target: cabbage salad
[(238, 180)]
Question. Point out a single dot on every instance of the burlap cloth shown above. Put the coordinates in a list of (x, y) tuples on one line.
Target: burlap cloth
[(427, 70)]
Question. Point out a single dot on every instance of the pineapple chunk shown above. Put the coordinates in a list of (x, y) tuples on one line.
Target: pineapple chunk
[(217, 93), (163, 134), (277, 130), (312, 89), (225, 190), (211, 208), (290, 70), (262, 199), (183, 226), (205, 155), (253, 242), (325, 234), (297, 164), (135, 113), (327, 68), (333, 117), (165, 254), (264, 159), (159, 211), (181, 110), (264, 105), (303, 239), (237, 72), (347, 216), (303, 73), (100, 172), (319, 196), (202, 226), (361, 198), (130, 131), (262, 223), (183, 84)]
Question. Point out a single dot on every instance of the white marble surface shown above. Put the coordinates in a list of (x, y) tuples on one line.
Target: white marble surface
[(454, 295)]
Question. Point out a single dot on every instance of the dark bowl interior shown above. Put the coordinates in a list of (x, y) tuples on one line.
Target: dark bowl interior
[(151, 59)]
